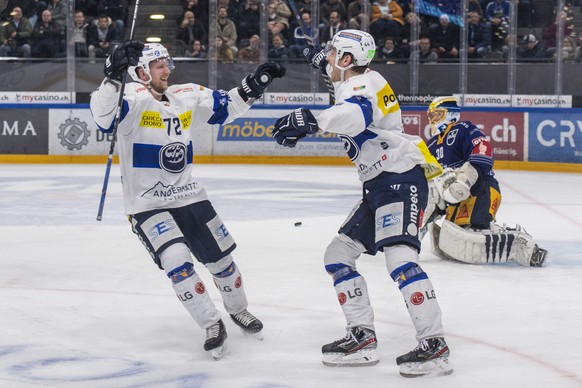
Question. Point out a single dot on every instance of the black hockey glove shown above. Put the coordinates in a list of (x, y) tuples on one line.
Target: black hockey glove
[(125, 54), (316, 58), (295, 126), (254, 84)]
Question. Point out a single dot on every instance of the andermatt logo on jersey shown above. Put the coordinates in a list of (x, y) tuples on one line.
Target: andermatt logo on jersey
[(173, 157)]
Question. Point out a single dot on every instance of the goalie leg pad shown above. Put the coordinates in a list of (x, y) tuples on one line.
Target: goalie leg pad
[(497, 245)]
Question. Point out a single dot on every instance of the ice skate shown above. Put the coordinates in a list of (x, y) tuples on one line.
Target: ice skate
[(357, 348), (429, 358), (249, 324), (215, 336)]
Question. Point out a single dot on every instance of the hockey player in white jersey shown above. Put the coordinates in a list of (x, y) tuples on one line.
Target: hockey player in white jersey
[(468, 196), (393, 168), (168, 209)]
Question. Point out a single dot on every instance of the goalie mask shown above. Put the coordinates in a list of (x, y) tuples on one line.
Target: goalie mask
[(442, 112), (151, 52), (359, 44)]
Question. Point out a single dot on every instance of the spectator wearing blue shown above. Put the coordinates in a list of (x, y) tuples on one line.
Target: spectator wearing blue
[(497, 14), (479, 37)]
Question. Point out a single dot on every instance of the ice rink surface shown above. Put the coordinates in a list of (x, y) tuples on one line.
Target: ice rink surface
[(83, 305)]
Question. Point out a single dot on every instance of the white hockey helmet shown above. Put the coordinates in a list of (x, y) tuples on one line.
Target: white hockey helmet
[(359, 44), (151, 52), (441, 112)]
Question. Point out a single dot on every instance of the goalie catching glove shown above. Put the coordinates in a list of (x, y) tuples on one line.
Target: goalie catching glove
[(295, 126), (454, 186), (126, 54), (254, 84)]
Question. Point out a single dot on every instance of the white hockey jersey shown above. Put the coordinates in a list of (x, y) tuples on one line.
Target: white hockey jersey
[(155, 139), (368, 119)]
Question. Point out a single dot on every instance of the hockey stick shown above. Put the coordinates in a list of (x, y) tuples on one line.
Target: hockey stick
[(115, 124), (310, 42)]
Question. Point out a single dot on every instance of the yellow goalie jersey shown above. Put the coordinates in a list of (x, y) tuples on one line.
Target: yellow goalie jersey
[(155, 139), (368, 119)]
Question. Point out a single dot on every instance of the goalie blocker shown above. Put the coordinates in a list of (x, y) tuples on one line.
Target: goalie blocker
[(495, 245)]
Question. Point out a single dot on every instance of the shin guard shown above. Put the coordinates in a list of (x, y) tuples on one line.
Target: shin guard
[(191, 291), (229, 283)]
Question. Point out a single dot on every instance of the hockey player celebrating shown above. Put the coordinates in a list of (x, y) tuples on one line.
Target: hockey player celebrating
[(169, 211), (393, 168), (469, 195)]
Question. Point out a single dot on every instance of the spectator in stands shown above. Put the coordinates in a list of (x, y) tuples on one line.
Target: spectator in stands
[(102, 37), (304, 5), (425, 52), (524, 13), (46, 37), (298, 42), (116, 10), (249, 19), (333, 25), (189, 31), (59, 11), (252, 52), (278, 16), (89, 8), (445, 38), (279, 53), (569, 49), (198, 50), (15, 35), (579, 49), (479, 36), (327, 7), (387, 19), (533, 51), (199, 8), (226, 29), (80, 33), (497, 14), (475, 6), (358, 14), (389, 52), (404, 40), (221, 51), (549, 33)]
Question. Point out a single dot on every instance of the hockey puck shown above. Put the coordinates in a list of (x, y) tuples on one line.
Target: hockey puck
[(298, 224)]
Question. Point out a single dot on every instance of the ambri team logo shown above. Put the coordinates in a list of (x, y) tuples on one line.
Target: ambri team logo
[(74, 134)]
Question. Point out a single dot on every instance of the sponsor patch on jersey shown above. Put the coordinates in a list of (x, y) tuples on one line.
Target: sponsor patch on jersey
[(361, 87), (182, 90), (386, 100), (389, 221), (478, 140), (151, 119), (186, 119), (482, 148)]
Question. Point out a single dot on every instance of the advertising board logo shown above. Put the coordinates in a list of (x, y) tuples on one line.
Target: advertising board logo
[(74, 134)]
